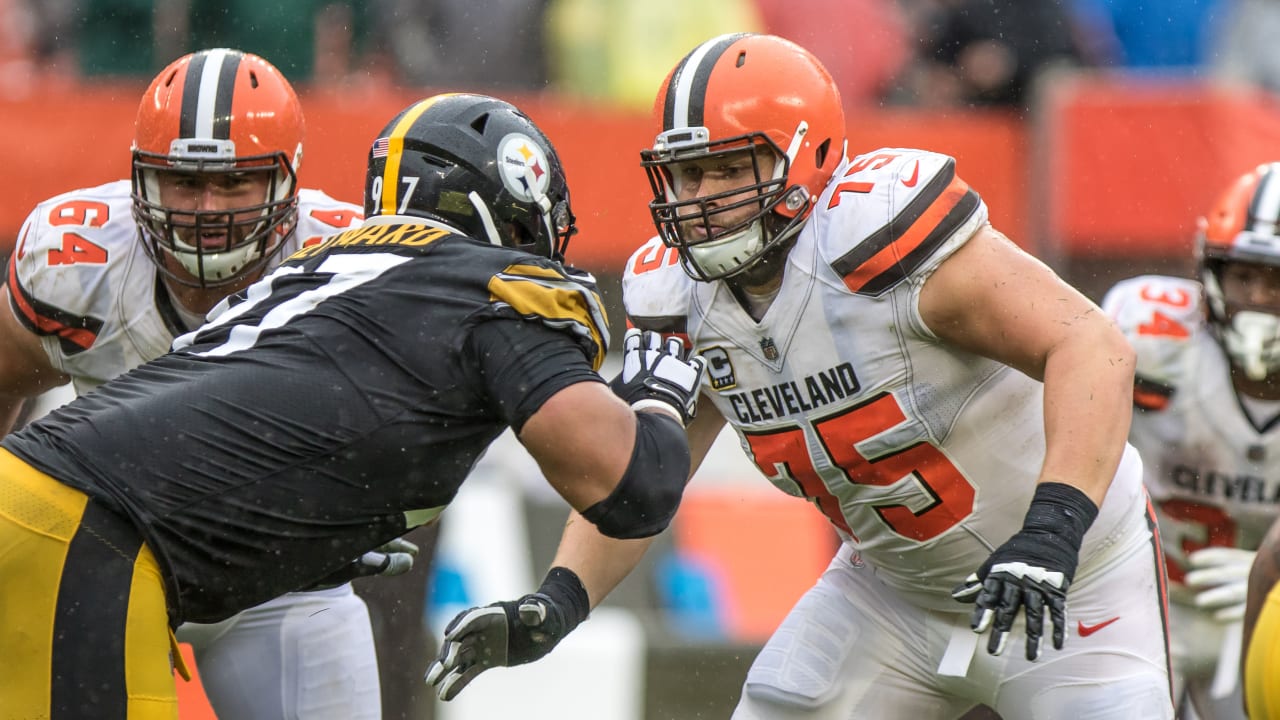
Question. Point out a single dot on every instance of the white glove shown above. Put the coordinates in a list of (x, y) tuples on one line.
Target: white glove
[(1220, 577), (659, 373)]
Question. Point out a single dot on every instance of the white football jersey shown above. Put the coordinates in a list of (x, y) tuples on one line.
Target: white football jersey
[(1213, 474), (80, 278), (924, 457)]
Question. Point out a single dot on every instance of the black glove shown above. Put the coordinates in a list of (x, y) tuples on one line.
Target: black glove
[(393, 558), (654, 371), (1032, 570), (508, 633)]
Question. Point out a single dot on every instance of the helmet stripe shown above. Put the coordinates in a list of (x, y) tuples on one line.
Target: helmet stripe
[(395, 149), (207, 94), (686, 96), (1264, 210)]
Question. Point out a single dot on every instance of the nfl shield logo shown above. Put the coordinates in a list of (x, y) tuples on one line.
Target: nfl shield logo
[(770, 350)]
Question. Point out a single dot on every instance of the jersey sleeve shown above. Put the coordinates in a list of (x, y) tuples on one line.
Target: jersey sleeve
[(523, 364), (1158, 315), (893, 214), (55, 274), (655, 290), (560, 298), (320, 216)]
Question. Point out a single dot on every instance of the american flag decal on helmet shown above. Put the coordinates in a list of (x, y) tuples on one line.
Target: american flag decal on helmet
[(380, 147)]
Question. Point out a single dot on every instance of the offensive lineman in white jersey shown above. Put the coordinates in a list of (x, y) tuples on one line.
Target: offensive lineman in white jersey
[(1207, 398), (956, 410), (102, 279)]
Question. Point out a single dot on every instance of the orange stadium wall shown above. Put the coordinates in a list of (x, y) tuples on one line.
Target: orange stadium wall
[(1110, 166), (1127, 164)]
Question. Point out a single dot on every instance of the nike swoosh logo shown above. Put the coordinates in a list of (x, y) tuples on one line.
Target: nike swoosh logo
[(915, 176), (1087, 630)]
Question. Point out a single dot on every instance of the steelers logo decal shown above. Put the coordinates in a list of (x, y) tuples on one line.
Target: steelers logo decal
[(524, 167)]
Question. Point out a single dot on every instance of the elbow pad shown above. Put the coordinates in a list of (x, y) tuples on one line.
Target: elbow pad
[(648, 494)]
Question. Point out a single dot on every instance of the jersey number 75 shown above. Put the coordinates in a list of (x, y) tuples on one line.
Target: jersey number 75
[(947, 494)]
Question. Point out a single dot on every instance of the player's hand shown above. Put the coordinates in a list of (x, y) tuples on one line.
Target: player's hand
[(658, 373), (1030, 573), (508, 633), (1220, 577), (393, 558), (1011, 586)]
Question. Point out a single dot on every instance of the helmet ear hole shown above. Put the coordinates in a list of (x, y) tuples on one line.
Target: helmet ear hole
[(820, 155)]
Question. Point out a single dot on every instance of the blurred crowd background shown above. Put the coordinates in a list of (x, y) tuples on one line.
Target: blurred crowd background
[(906, 52)]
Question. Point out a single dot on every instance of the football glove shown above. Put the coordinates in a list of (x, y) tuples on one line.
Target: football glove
[(393, 558), (508, 633), (659, 373), (1220, 577), (1031, 571)]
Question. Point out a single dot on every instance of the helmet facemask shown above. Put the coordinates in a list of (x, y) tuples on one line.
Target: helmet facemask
[(545, 233), (208, 122), (1250, 336), (250, 235), (710, 246)]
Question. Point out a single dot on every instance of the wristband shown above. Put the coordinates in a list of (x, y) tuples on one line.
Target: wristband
[(565, 589)]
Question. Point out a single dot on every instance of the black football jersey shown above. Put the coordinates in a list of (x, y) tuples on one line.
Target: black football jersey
[(326, 409)]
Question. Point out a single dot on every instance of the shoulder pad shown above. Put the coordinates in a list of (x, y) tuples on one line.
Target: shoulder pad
[(1155, 306), (562, 298), (655, 289), (320, 216), (892, 213), (69, 250), (1159, 315)]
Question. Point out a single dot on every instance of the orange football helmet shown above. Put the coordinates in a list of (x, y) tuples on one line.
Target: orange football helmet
[(214, 113), (1243, 227), (743, 92)]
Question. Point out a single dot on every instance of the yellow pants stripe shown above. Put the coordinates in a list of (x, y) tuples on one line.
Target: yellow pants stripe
[(83, 627), (1262, 664)]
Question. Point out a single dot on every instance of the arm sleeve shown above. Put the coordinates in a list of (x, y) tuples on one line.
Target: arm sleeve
[(522, 364)]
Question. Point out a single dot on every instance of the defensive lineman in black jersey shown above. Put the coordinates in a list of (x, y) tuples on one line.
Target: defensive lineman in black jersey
[(332, 406)]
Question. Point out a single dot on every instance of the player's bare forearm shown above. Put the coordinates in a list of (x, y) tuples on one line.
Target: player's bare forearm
[(1088, 391), (601, 562), (993, 299)]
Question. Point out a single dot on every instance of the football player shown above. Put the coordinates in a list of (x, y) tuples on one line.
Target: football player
[(956, 410), (1260, 655), (335, 403), (103, 279), (1207, 409)]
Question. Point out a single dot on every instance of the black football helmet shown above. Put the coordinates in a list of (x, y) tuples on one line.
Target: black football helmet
[(475, 163)]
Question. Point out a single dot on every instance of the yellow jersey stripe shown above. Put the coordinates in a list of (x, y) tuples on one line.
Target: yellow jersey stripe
[(557, 301), (395, 148)]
